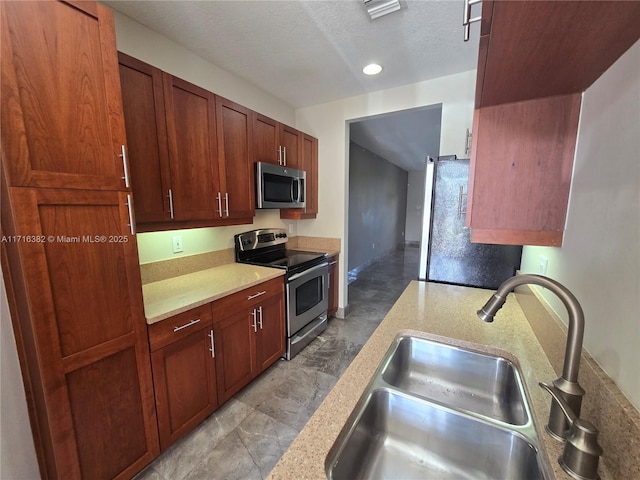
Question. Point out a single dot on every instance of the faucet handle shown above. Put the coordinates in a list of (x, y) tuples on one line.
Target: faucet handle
[(581, 450)]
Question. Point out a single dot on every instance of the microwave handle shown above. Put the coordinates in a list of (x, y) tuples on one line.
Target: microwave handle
[(299, 182)]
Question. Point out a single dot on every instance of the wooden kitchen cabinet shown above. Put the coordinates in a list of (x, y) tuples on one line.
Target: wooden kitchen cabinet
[(334, 285), (527, 110), (275, 142), (193, 150), (249, 334), (144, 111), (190, 151), (308, 163), (76, 307), (235, 150), (184, 373), (61, 106)]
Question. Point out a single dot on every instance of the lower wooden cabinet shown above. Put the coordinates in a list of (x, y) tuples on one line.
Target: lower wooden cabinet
[(249, 333), (334, 284), (202, 357), (183, 359)]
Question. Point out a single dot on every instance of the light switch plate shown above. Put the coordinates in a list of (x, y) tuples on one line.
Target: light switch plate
[(177, 244)]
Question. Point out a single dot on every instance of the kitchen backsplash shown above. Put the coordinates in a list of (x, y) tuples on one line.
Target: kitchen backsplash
[(161, 270), (604, 404)]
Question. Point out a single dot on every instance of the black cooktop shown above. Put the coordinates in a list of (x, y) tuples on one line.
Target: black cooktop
[(267, 248)]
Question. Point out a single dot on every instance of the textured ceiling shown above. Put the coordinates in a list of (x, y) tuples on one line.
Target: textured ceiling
[(307, 52)]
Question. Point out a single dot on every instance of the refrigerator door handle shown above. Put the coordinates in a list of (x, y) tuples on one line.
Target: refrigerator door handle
[(462, 202)]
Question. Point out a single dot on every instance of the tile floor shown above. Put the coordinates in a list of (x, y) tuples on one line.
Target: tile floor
[(246, 437)]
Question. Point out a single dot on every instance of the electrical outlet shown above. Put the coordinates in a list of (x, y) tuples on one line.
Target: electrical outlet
[(177, 244), (543, 263)]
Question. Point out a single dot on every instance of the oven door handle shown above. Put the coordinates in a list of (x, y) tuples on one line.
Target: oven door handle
[(311, 270)]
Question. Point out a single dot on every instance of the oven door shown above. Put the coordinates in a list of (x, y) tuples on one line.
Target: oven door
[(307, 297)]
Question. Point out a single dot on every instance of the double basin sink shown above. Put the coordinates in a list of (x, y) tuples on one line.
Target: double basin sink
[(436, 411)]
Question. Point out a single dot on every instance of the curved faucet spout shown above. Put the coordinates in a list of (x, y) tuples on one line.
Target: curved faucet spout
[(572, 392)]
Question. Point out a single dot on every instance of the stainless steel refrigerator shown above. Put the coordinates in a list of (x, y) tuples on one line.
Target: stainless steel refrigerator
[(451, 257)]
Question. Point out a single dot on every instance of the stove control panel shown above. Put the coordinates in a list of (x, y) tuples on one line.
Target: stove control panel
[(255, 239)]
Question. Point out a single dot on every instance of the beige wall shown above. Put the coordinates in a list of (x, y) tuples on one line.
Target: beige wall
[(600, 257), (328, 122)]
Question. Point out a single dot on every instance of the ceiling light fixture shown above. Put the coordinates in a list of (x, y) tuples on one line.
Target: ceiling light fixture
[(372, 69), (379, 8)]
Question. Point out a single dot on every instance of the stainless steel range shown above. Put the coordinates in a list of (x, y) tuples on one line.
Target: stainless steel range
[(306, 281)]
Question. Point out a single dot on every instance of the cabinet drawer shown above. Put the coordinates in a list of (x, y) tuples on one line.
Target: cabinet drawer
[(248, 297), (179, 326)]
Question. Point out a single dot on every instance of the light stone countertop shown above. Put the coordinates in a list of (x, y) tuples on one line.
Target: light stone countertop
[(175, 295), (446, 311)]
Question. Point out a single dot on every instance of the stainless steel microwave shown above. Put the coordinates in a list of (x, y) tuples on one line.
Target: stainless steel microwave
[(280, 187)]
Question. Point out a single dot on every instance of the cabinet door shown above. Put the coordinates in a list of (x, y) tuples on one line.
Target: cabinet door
[(519, 184), (309, 163), (148, 153), (185, 386), (61, 105), (234, 153), (290, 142), (235, 348), (82, 330), (266, 145), (270, 336), (193, 155)]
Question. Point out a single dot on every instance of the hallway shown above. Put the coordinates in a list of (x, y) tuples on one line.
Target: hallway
[(246, 437)]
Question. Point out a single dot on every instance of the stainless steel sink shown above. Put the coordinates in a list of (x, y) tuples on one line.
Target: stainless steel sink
[(402, 437), (436, 411), (485, 384)]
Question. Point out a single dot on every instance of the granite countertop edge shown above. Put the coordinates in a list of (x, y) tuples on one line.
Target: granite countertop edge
[(166, 298)]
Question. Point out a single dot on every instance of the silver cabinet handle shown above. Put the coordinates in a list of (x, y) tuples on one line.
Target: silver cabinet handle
[(170, 195), (260, 312), (254, 323), (226, 204), (213, 347), (284, 149), (333, 263), (125, 166), (466, 20), (192, 322), (279, 155), (255, 295), (132, 225), (219, 198)]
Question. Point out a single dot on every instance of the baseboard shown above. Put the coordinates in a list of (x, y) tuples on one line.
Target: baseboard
[(604, 404), (342, 312)]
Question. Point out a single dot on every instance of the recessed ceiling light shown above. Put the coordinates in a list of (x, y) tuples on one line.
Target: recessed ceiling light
[(372, 69)]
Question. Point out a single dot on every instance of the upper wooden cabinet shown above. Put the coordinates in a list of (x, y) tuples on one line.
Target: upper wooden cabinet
[(535, 59), (193, 150), (189, 150), (275, 142), (235, 149), (143, 103), (308, 163), (61, 106), (536, 49)]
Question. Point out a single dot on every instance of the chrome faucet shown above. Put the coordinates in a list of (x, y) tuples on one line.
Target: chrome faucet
[(567, 384)]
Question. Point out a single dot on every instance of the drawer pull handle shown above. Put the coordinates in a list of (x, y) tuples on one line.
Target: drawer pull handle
[(192, 322), (213, 346), (333, 263), (251, 297)]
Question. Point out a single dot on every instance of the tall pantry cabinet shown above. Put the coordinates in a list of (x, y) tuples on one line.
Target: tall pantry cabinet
[(69, 254)]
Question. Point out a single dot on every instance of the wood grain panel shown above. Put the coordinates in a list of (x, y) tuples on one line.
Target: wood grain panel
[(168, 331), (523, 162), (144, 111), (290, 140), (60, 98), (542, 49), (270, 341), (265, 139), (185, 384), (193, 152), (308, 163), (107, 416), (235, 145)]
